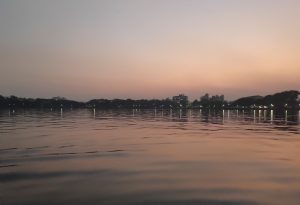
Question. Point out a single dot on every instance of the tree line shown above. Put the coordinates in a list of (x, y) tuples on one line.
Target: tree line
[(286, 99)]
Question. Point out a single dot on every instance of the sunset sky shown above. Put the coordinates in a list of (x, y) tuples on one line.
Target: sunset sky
[(148, 49)]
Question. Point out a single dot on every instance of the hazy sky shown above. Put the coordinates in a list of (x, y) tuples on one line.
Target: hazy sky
[(148, 49)]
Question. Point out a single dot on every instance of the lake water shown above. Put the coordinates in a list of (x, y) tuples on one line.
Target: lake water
[(135, 157)]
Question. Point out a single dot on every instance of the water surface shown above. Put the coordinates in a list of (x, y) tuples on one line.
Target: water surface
[(134, 157)]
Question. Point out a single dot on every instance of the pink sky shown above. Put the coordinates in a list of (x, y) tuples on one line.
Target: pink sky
[(148, 49)]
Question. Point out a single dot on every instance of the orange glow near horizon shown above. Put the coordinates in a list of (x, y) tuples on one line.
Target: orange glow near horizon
[(149, 49)]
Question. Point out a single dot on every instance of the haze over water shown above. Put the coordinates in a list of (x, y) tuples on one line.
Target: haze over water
[(101, 51), (129, 157)]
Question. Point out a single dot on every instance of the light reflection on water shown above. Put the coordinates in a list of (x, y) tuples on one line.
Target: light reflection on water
[(272, 115), (149, 157)]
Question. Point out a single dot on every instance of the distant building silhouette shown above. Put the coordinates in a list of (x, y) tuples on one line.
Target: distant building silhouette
[(205, 97), (181, 99), (217, 98), (214, 98), (283, 100)]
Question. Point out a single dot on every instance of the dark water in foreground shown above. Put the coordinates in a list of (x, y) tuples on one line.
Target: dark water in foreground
[(147, 157)]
